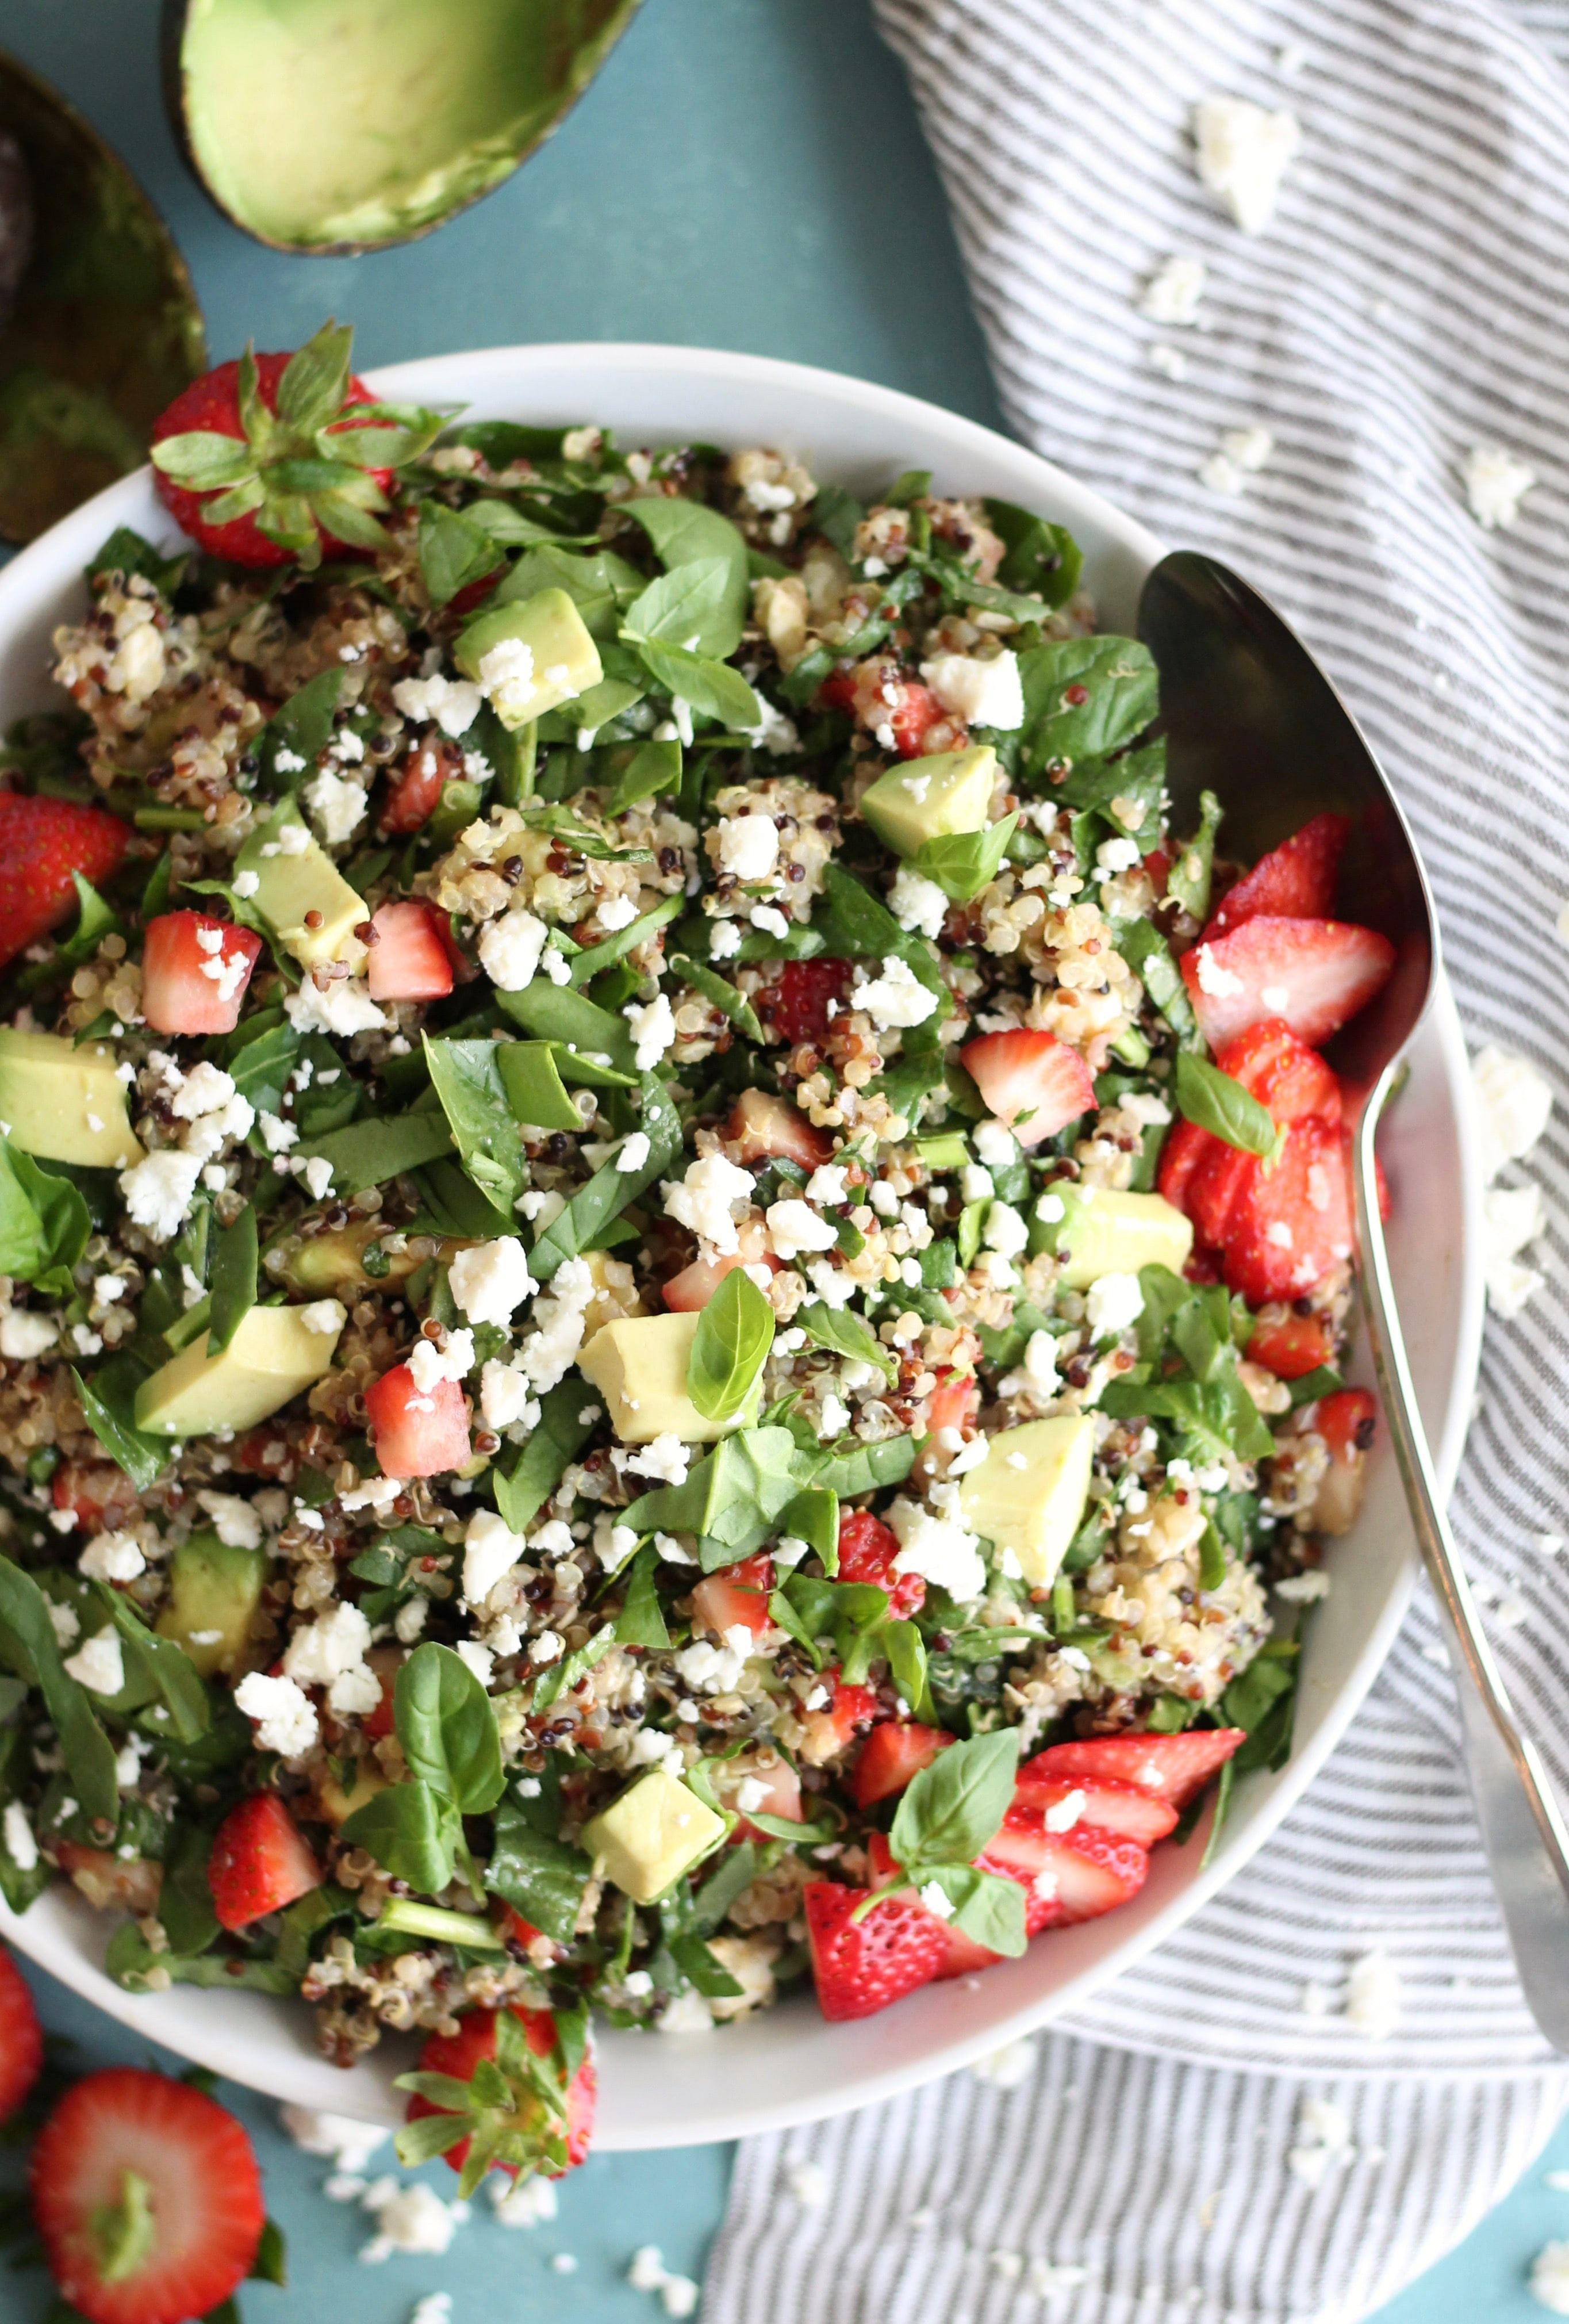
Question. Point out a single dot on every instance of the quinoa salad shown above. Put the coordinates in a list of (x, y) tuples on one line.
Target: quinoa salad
[(675, 1278)]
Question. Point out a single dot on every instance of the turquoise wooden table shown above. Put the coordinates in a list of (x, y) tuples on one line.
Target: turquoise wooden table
[(745, 173)]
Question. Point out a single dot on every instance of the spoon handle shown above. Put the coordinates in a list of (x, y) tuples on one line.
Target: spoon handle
[(1523, 1830)]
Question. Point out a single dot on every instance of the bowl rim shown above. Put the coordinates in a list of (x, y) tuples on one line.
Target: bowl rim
[(284, 2067)]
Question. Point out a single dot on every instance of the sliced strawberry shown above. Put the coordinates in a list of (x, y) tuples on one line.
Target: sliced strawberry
[(866, 1550), (21, 2039), (800, 1006), (962, 1955), (735, 1598), (417, 789), (1347, 1421), (407, 959), (147, 2197), (1102, 1804), (259, 1862), (1175, 1767), (833, 1726), (1293, 1347), (517, 2133), (894, 1753), (1212, 1182), (194, 973), (769, 1128), (1314, 974), (1295, 881), (1031, 1081), (1281, 1072), (417, 1436), (1290, 1223), (1215, 1188), (860, 1967), (1066, 1877), (1186, 1149), (42, 840)]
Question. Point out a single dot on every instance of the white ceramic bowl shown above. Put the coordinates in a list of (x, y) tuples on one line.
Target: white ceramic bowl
[(788, 2065)]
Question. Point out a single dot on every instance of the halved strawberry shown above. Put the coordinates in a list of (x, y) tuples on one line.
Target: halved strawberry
[(1031, 1081), (21, 2039), (894, 1753), (866, 1550), (859, 1966), (259, 1862), (42, 840), (735, 1598), (277, 458), (800, 1005), (1292, 1348), (147, 2197), (1294, 881), (1290, 1223), (407, 959), (1286, 1076), (511, 2133), (417, 1436), (1186, 1150), (1066, 1877), (767, 1128), (1175, 1767), (1347, 1421), (1208, 1178), (417, 789), (1314, 974), (1103, 1804), (194, 972)]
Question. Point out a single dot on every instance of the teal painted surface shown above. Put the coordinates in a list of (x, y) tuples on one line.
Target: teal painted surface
[(744, 174)]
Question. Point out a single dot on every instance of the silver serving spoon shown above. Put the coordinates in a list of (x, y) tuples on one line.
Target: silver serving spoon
[(1249, 714)]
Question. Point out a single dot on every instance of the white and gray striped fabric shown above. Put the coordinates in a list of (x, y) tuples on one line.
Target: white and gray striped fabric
[(1407, 304)]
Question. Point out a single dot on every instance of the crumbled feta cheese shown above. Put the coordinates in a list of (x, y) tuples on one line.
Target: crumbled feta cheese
[(547, 1647), (1513, 1103), (338, 804), (323, 1316), (491, 1281), (1373, 1997), (1243, 155), (772, 921), (504, 1395), (1512, 1217), (205, 1089), (112, 1557), (99, 1663), (634, 1152), (375, 1493), (478, 1659), (725, 940), (615, 912), (510, 950), (827, 1183), (665, 1459), (343, 1007), (941, 1549), (1112, 1304), (936, 1899), (158, 1189), (807, 2181), (703, 1200), (1145, 1107), (348, 2143), (987, 693), (1495, 485), (1172, 296), (25, 1335), (453, 703), (20, 1846), (552, 1346), (794, 1226), (1169, 362), (653, 1030), (747, 846), (506, 678), (524, 2202), (896, 998), (63, 1621), (833, 1416), (996, 1145), (411, 2219), (774, 732), (917, 903), (429, 1366), (1007, 2068), (1006, 1231), (330, 1652), (1550, 2278)]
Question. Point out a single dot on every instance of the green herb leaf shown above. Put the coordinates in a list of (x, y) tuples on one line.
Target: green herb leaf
[(300, 729), (447, 1728), (109, 1404), (711, 688), (128, 1959), (1149, 956), (44, 1222), (721, 993), (454, 551), (610, 1190), (1191, 876), (233, 1293), (702, 1968), (685, 533), (1215, 1102), (652, 767), (590, 1037), (846, 1334), (734, 1334), (413, 1831), (368, 1153), (615, 947), (28, 1643), (966, 862), (641, 1622), (538, 1466), (466, 1080), (563, 1676), (1043, 559), (952, 1808), (541, 1877), (1120, 688), (164, 1661), (534, 1088), (688, 606), (987, 1907)]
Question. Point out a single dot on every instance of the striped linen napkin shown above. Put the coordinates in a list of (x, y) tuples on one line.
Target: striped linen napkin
[(1382, 370)]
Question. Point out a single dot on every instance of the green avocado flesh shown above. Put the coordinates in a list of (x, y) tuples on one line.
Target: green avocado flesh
[(320, 122)]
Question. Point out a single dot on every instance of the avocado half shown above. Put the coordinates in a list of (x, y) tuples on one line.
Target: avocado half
[(99, 326), (337, 126)]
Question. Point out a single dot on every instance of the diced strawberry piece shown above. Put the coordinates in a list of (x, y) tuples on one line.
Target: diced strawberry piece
[(833, 1726), (1291, 1349), (1158, 867), (1347, 1421), (860, 1967), (386, 1662), (458, 2055), (688, 1292), (516, 1927), (802, 1004), (1314, 974), (194, 973), (1290, 1225), (110, 1883), (1031, 1081), (781, 1787), (893, 1754), (772, 1127), (21, 2040), (888, 704), (1295, 881), (866, 1550), (99, 1496), (1175, 1767), (1101, 1804), (1066, 1877), (126, 2136), (953, 1403), (259, 1862), (915, 715), (417, 789), (417, 1436), (44, 841), (408, 961), (735, 1598)]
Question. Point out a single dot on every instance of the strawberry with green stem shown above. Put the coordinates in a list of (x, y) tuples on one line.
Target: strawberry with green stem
[(278, 458), (513, 2088)]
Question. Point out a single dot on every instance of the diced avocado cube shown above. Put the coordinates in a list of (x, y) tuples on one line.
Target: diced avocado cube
[(338, 1804), (295, 878), (214, 1589), (932, 798), (273, 1356), (1028, 1494), (639, 1367), (531, 658), (321, 1263), (64, 1103), (651, 1835), (1106, 1233)]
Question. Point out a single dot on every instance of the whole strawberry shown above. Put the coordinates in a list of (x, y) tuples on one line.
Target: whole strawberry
[(276, 458)]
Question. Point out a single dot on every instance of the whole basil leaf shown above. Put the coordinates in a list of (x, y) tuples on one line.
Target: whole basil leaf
[(1191, 876), (1085, 698), (542, 1878), (865, 1469), (1215, 1102), (28, 1642), (846, 1334), (44, 1222), (1043, 558), (953, 1807), (413, 1831), (466, 1080), (687, 606), (447, 1728), (711, 688), (734, 1334), (684, 532), (966, 862)]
